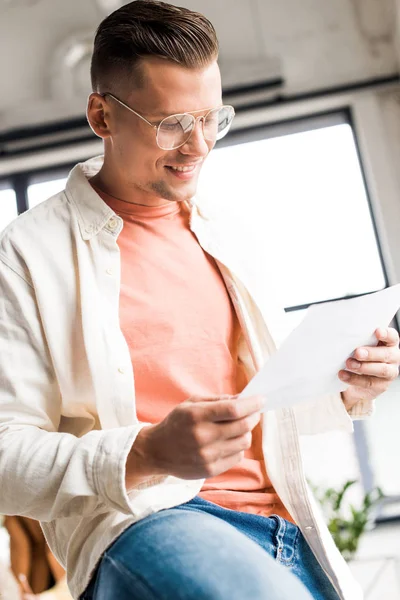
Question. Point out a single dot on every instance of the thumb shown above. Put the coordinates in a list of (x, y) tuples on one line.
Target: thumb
[(26, 588)]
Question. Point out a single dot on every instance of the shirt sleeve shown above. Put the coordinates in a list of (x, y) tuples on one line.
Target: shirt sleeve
[(329, 414), (46, 474), (326, 414)]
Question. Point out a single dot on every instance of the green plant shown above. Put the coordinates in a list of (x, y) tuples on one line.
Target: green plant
[(347, 527)]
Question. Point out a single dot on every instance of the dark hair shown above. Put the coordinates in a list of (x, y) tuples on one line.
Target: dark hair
[(150, 28)]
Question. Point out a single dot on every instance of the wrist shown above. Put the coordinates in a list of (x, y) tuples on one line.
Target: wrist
[(348, 406), (140, 465)]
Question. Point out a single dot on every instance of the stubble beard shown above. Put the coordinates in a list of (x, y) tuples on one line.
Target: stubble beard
[(163, 190)]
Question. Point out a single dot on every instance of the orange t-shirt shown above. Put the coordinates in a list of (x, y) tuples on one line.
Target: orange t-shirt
[(182, 332)]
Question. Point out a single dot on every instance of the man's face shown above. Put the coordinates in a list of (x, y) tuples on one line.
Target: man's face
[(131, 147)]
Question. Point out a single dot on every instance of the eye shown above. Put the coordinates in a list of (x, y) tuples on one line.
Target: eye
[(171, 127), (212, 118)]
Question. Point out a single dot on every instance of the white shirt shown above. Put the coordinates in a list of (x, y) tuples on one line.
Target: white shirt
[(67, 396)]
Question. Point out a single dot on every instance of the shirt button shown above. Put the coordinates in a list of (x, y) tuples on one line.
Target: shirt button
[(121, 370), (109, 272), (113, 223), (309, 528)]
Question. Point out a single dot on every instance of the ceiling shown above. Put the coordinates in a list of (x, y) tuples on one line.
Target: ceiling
[(46, 44)]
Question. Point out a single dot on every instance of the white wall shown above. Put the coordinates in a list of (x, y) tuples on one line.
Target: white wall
[(319, 43)]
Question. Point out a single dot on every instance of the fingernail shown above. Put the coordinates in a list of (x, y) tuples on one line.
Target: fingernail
[(383, 334), (354, 364), (345, 376), (363, 353)]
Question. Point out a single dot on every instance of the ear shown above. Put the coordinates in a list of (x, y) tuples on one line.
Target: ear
[(98, 115)]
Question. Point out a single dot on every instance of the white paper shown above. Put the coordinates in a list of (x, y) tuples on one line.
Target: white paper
[(307, 364)]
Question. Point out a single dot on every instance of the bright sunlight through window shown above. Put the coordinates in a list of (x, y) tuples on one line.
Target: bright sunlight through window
[(8, 207), (301, 203), (37, 192)]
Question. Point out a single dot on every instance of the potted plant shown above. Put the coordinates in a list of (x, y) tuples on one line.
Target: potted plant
[(348, 525)]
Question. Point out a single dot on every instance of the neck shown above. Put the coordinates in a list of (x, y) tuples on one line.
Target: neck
[(107, 180)]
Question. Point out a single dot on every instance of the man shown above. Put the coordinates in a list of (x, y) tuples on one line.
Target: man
[(125, 341)]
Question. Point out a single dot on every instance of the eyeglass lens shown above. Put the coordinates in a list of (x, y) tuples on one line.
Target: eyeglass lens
[(174, 131)]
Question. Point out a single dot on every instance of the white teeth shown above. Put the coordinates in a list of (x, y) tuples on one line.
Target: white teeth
[(183, 169)]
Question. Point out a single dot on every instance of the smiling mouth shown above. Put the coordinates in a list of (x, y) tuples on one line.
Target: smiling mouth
[(184, 173), (186, 169)]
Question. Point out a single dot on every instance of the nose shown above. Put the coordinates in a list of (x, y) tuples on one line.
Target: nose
[(196, 144)]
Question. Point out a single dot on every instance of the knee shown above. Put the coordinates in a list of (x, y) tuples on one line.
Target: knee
[(185, 556)]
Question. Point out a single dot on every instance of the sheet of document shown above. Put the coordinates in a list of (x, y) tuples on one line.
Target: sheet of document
[(307, 364)]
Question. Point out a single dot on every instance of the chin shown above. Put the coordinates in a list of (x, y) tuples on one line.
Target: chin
[(188, 195), (183, 194), (174, 193)]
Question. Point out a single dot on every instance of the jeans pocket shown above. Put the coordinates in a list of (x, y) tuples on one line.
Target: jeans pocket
[(286, 538)]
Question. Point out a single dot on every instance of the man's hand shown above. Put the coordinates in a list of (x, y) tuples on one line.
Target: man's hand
[(200, 438), (372, 368), (25, 589)]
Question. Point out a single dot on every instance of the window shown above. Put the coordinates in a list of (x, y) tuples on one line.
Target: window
[(42, 190), (8, 207), (302, 197), (298, 194)]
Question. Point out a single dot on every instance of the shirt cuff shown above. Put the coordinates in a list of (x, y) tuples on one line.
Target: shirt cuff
[(362, 410), (109, 467), (341, 418)]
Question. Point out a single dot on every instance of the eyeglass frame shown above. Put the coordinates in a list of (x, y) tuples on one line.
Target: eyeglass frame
[(157, 127)]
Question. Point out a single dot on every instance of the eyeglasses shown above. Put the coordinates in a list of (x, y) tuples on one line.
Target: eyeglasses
[(175, 130)]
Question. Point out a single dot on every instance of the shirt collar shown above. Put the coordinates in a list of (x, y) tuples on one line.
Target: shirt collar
[(93, 213)]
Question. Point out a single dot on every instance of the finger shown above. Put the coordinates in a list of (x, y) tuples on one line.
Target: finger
[(374, 386), (211, 398), (224, 464), (236, 445), (373, 369), (26, 588), (232, 410), (383, 354), (237, 428), (388, 336)]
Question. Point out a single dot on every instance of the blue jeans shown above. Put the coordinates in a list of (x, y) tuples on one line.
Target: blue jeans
[(200, 551)]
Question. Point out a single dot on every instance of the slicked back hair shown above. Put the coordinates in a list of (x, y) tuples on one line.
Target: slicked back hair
[(149, 28)]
